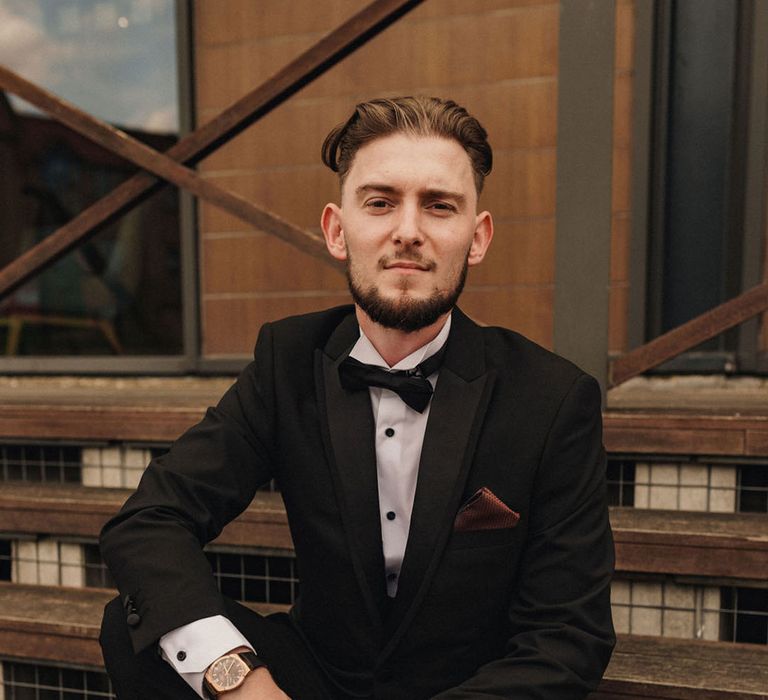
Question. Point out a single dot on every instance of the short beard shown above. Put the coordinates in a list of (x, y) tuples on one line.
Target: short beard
[(405, 313)]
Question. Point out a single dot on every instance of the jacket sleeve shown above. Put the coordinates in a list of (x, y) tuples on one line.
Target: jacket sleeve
[(153, 546), (561, 632)]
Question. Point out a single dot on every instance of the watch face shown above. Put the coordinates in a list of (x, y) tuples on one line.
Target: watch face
[(227, 673)]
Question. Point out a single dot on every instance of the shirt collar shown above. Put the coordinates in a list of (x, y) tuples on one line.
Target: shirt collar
[(363, 350)]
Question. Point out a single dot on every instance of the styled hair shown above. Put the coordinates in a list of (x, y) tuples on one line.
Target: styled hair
[(416, 116)]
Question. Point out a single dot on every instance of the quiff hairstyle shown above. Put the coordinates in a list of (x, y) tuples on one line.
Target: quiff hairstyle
[(416, 116)]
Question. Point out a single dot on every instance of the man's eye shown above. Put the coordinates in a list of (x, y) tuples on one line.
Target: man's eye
[(442, 206), (377, 204)]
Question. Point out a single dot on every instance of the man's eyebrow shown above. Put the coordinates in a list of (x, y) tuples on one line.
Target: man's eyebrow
[(432, 193), (375, 187), (457, 197)]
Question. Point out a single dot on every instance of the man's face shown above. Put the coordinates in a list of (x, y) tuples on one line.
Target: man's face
[(408, 228)]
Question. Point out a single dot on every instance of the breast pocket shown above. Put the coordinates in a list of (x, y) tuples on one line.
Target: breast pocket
[(476, 565), (481, 538)]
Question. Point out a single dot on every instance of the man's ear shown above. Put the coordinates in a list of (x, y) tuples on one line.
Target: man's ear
[(481, 238), (330, 221)]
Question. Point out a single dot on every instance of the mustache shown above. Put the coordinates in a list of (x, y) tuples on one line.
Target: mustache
[(407, 256)]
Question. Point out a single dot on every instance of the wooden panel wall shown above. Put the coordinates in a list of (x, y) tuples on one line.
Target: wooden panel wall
[(622, 176), (496, 57)]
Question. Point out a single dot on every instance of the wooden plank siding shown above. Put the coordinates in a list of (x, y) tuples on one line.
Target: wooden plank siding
[(497, 57)]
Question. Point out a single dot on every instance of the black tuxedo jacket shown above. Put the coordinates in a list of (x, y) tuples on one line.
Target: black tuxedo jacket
[(518, 612)]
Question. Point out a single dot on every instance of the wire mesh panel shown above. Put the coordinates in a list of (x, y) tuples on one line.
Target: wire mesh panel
[(96, 573), (693, 484), (668, 608), (753, 489), (256, 577), (621, 482), (259, 577), (46, 561), (24, 681), (744, 615), (40, 462), (5, 560)]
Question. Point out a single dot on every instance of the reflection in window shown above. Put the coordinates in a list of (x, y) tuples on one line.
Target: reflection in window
[(118, 293)]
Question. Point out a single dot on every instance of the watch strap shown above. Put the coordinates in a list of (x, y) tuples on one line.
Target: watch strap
[(251, 659)]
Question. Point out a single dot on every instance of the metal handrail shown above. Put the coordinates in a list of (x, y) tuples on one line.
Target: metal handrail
[(705, 326), (196, 145)]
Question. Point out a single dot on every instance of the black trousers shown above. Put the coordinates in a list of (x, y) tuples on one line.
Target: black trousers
[(146, 676)]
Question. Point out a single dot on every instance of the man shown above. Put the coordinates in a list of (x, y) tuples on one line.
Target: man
[(452, 544)]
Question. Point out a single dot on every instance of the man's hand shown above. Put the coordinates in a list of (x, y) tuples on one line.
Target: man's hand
[(258, 685)]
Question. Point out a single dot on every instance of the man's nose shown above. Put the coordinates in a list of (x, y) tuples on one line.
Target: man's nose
[(408, 228)]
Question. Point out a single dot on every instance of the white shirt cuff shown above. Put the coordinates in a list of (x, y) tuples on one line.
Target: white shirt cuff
[(190, 649)]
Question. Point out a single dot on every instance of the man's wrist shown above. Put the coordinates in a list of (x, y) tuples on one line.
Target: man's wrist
[(229, 671)]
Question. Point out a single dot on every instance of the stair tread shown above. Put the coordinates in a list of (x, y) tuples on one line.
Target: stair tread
[(60, 625), (690, 664), (63, 509), (729, 545), (752, 527), (683, 393), (61, 495), (35, 616), (71, 497), (159, 409)]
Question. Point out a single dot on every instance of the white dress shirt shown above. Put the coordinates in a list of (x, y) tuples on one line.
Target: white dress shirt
[(399, 438), (399, 431)]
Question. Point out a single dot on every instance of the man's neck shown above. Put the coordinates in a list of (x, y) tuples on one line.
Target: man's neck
[(392, 344)]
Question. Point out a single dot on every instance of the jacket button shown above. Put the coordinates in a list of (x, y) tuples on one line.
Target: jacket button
[(132, 616)]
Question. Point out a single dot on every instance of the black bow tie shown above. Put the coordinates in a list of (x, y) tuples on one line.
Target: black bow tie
[(410, 385)]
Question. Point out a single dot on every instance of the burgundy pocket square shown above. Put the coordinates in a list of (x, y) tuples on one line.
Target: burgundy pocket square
[(485, 511)]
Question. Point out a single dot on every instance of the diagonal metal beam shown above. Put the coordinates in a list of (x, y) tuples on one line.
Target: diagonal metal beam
[(124, 145), (326, 53), (689, 335)]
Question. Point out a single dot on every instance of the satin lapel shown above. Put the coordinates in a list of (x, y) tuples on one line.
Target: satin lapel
[(351, 448), (455, 418)]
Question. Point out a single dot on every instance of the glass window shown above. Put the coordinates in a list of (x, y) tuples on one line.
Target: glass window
[(119, 293)]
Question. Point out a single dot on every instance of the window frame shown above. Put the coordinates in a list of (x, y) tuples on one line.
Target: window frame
[(189, 360), (741, 352)]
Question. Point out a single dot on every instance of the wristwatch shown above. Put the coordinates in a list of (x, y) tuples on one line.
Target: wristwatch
[(228, 672)]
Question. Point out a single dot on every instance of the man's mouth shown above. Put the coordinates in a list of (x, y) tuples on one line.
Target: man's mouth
[(406, 265)]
